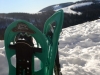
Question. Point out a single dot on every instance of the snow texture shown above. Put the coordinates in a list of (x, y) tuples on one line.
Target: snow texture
[(79, 50), (69, 8), (57, 7)]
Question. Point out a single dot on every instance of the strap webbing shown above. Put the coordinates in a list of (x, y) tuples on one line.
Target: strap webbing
[(24, 54)]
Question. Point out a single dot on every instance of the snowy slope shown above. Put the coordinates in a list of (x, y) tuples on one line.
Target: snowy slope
[(57, 7), (69, 8), (79, 50)]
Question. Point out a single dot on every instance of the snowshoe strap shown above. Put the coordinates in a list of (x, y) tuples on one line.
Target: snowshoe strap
[(24, 53)]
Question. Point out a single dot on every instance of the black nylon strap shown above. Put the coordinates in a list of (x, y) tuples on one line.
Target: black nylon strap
[(24, 54)]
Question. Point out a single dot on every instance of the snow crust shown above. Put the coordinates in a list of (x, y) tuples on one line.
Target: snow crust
[(79, 50)]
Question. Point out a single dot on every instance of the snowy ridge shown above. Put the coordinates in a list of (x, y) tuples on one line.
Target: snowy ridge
[(79, 49), (57, 7), (8, 18), (69, 8), (80, 5)]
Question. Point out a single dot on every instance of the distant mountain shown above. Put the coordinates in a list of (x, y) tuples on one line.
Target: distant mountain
[(71, 7), (56, 6), (74, 13), (36, 19), (77, 12)]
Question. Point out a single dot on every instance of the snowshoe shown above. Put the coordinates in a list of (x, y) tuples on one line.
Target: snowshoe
[(19, 41)]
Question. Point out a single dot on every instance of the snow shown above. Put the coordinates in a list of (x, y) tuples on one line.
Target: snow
[(57, 7), (8, 18), (80, 5), (79, 50), (69, 8)]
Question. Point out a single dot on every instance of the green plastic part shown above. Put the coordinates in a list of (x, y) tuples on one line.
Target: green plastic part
[(48, 44)]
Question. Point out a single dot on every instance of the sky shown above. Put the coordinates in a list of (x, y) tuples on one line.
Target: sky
[(28, 6)]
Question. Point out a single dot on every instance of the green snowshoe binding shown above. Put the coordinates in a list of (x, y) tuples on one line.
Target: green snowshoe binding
[(19, 41)]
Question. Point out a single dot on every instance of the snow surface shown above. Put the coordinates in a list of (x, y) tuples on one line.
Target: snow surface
[(80, 5), (69, 8), (57, 7), (79, 50)]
